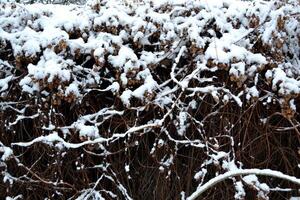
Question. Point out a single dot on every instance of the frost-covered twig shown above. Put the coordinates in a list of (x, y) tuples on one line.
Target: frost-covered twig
[(261, 172)]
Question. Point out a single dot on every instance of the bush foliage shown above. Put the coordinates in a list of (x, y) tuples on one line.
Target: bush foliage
[(150, 102)]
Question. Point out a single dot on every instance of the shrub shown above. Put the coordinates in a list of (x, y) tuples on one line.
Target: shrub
[(151, 102)]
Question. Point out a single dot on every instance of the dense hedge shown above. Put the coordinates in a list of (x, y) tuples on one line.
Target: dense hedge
[(149, 102)]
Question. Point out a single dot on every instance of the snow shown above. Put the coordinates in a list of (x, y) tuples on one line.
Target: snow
[(125, 55), (292, 105), (252, 92), (165, 60), (50, 66), (6, 152), (182, 123), (282, 83), (240, 194), (127, 169), (200, 174), (294, 198), (148, 58), (14, 198), (72, 89), (237, 69), (221, 177), (4, 83), (125, 97), (56, 21), (250, 179), (115, 87), (87, 131), (149, 84)]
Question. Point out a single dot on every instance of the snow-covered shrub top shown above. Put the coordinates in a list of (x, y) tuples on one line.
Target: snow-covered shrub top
[(105, 73)]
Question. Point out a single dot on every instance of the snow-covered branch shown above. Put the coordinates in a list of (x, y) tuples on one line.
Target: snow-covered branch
[(240, 172)]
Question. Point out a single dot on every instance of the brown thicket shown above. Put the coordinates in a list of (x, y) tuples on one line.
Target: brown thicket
[(262, 133)]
